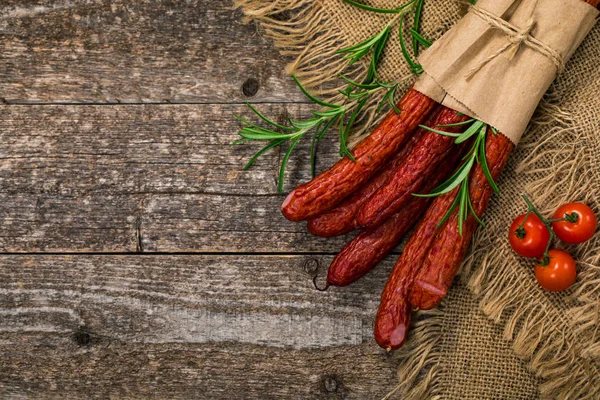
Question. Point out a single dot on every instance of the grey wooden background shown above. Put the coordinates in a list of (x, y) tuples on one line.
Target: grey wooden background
[(137, 259)]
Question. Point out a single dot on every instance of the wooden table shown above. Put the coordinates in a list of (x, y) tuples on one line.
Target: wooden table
[(138, 259)]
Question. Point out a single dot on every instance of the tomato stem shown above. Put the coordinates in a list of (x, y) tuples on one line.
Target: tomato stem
[(547, 223), (573, 218), (521, 232)]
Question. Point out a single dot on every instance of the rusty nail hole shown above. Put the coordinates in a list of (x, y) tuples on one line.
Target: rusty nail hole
[(82, 338), (250, 87), (331, 383)]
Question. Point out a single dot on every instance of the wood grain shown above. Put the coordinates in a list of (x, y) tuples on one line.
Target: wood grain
[(124, 51), (181, 326), (124, 178), (95, 169)]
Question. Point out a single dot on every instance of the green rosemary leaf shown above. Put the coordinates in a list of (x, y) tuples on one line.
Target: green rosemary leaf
[(494, 130), (367, 86), (345, 92), (467, 122), (474, 213), (341, 133), (485, 168), (472, 130), (353, 116), (358, 95), (407, 56), (259, 131), (462, 206), (459, 176), (439, 132), (358, 50), (284, 162), (414, 67), (269, 146), (328, 113), (473, 151), (239, 141), (248, 123), (252, 134), (345, 130), (376, 9), (389, 98), (380, 45), (416, 25), (449, 212), (377, 52), (392, 101), (419, 38), (382, 102), (386, 85), (311, 97), (307, 124), (267, 120), (313, 148), (327, 126)]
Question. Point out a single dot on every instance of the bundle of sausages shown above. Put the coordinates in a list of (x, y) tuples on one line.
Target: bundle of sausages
[(374, 194)]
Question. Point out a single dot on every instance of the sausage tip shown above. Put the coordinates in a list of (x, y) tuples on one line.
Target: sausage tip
[(288, 209)]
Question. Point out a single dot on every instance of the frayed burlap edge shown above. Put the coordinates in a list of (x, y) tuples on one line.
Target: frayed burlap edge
[(538, 336), (541, 336), (419, 360)]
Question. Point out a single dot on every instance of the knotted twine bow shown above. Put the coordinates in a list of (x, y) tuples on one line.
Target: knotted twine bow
[(517, 37)]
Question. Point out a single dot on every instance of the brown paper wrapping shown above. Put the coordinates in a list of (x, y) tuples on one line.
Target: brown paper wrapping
[(505, 92)]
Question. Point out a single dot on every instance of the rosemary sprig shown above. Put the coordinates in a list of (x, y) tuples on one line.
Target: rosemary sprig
[(368, 89), (376, 44), (321, 121), (379, 10), (476, 155), (345, 114), (277, 134)]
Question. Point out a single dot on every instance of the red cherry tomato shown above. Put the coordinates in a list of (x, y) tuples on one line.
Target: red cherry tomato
[(532, 239), (559, 274), (578, 231)]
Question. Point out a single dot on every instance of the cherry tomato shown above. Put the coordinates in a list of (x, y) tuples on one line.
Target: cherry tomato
[(581, 229), (559, 274), (532, 239)]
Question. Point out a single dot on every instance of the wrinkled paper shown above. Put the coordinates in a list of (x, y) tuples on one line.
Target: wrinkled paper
[(505, 92)]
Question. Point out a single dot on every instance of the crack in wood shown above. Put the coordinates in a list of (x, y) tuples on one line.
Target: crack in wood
[(138, 233)]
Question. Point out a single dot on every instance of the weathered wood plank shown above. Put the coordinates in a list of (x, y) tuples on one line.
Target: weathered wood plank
[(136, 51), (34, 368), (127, 149), (186, 326), (163, 177)]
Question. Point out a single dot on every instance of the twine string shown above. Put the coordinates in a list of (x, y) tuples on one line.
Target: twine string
[(517, 37)]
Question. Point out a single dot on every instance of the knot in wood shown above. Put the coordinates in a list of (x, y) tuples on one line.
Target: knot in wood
[(311, 266), (82, 338), (250, 87), (330, 383)]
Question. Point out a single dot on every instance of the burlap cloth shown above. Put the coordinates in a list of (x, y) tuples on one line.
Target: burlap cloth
[(497, 335)]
